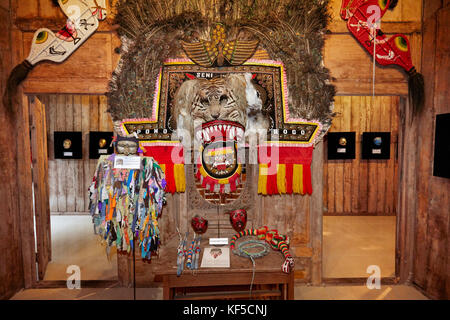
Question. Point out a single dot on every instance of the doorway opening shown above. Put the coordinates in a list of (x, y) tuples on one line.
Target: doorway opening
[(65, 238), (360, 195)]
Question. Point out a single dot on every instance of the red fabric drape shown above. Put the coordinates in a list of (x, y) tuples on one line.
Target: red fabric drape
[(288, 156), (167, 156)]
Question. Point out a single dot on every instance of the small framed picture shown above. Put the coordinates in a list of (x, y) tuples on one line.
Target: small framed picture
[(68, 145), (441, 167), (100, 144), (376, 145), (341, 145)]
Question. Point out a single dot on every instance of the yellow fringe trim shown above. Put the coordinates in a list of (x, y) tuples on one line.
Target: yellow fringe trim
[(220, 152), (224, 181), (262, 179), (180, 177), (281, 178), (297, 179)]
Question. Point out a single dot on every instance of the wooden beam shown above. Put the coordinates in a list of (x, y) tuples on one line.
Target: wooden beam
[(24, 179), (5, 5), (351, 67), (407, 186), (11, 268), (316, 214), (405, 27), (87, 71), (358, 281), (25, 196), (432, 229), (90, 87), (335, 27), (31, 25)]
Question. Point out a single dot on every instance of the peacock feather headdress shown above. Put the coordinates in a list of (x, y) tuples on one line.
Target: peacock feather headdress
[(290, 31)]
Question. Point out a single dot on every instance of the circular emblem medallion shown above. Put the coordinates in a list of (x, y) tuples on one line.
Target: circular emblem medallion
[(220, 159)]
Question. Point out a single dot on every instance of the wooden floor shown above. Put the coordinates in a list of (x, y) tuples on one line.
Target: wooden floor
[(301, 292), (352, 243), (74, 243)]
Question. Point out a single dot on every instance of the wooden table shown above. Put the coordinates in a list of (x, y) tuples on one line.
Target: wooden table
[(225, 283)]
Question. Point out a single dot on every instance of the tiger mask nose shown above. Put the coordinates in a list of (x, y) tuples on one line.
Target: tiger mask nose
[(214, 108)]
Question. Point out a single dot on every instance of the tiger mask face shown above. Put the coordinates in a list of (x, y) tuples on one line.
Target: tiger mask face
[(201, 106)]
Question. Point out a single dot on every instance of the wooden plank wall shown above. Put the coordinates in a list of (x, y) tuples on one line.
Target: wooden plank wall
[(431, 267), (40, 183), (88, 69), (343, 56), (290, 214), (363, 187), (351, 66), (11, 266), (69, 180)]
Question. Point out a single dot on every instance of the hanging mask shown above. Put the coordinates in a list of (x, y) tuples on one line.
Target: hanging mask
[(199, 224), (127, 145), (238, 219), (67, 144)]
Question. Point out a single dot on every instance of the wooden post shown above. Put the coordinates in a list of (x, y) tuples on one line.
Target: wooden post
[(25, 194), (406, 214), (40, 183), (316, 211)]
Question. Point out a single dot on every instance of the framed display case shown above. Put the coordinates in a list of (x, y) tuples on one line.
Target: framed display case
[(341, 145), (68, 145), (100, 144), (376, 145), (441, 166)]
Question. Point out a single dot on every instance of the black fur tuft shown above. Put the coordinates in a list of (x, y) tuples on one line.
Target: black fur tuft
[(393, 4), (17, 75), (416, 88)]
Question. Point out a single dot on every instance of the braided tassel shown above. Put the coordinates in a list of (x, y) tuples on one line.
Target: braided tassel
[(197, 252), (189, 255), (246, 232), (288, 264)]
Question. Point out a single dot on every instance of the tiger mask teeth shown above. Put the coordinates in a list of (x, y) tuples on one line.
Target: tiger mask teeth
[(217, 129)]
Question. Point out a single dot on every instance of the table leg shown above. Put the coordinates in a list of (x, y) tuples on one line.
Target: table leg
[(290, 287), (167, 291)]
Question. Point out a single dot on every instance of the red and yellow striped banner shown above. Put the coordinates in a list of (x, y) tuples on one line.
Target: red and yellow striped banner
[(285, 170)]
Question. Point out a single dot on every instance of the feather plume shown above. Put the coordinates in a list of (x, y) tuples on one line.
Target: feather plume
[(289, 30)]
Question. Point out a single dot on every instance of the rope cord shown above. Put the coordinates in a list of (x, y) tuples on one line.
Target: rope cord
[(243, 251), (374, 35)]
